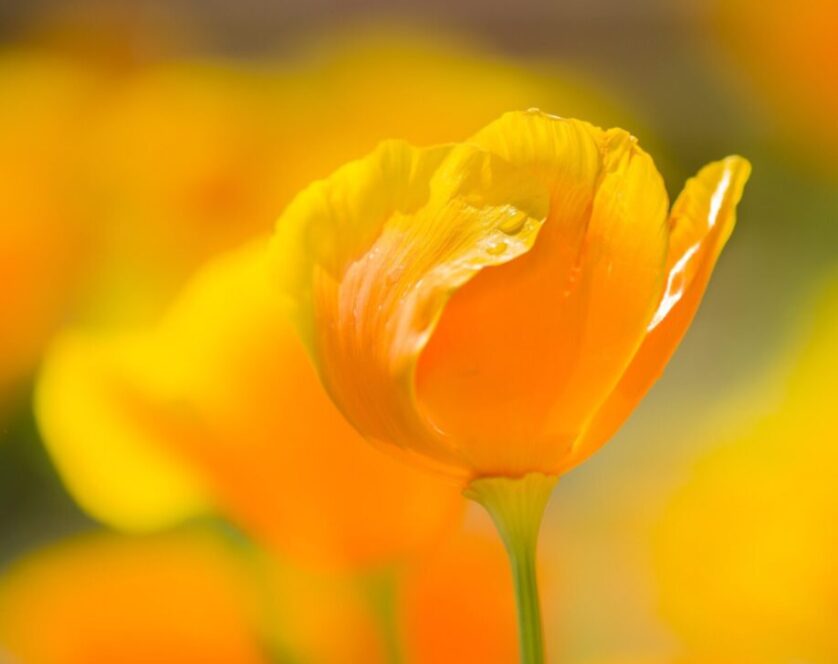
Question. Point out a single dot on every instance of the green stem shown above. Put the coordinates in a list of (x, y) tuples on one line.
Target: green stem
[(380, 586), (516, 505)]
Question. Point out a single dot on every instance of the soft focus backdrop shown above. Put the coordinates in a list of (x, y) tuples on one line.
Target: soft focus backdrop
[(138, 140)]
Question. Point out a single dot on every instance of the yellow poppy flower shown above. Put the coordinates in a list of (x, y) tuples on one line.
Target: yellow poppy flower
[(498, 307), (746, 548), (218, 408), (495, 309)]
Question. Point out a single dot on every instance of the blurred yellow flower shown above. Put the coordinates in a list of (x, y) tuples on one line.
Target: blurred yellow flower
[(746, 552), (218, 408), (498, 307), (194, 157), (44, 105), (179, 598)]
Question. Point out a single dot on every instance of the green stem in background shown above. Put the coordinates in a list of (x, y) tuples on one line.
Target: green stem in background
[(516, 505), (381, 587)]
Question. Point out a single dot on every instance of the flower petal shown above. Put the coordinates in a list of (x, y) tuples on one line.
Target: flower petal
[(525, 352), (370, 256), (701, 222), (117, 472)]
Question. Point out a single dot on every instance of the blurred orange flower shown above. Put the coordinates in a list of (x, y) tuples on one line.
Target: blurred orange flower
[(44, 105), (790, 56), (457, 605), (192, 596), (174, 599), (498, 307), (218, 408), (746, 549)]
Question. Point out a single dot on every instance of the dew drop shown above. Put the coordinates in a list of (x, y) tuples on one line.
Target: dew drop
[(496, 248), (513, 221)]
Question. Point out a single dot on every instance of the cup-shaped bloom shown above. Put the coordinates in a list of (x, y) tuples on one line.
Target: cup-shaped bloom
[(218, 409), (498, 307)]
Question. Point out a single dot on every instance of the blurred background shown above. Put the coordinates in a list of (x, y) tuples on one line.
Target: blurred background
[(139, 140)]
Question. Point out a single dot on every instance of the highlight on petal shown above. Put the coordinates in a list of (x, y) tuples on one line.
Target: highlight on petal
[(222, 391), (520, 271), (700, 223)]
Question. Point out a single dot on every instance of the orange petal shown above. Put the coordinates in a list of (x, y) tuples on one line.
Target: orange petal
[(526, 351), (701, 222), (371, 254)]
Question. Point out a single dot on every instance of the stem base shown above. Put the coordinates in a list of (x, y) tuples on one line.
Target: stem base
[(516, 506)]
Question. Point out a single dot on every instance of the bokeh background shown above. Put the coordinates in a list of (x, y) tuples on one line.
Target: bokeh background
[(140, 139)]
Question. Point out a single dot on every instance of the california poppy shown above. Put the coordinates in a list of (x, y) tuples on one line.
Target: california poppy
[(496, 308)]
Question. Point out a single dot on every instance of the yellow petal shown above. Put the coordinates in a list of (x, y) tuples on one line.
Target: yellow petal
[(701, 222), (118, 473), (378, 248), (525, 352)]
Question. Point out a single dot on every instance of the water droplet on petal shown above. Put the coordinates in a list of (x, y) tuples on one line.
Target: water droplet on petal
[(513, 221), (496, 248)]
